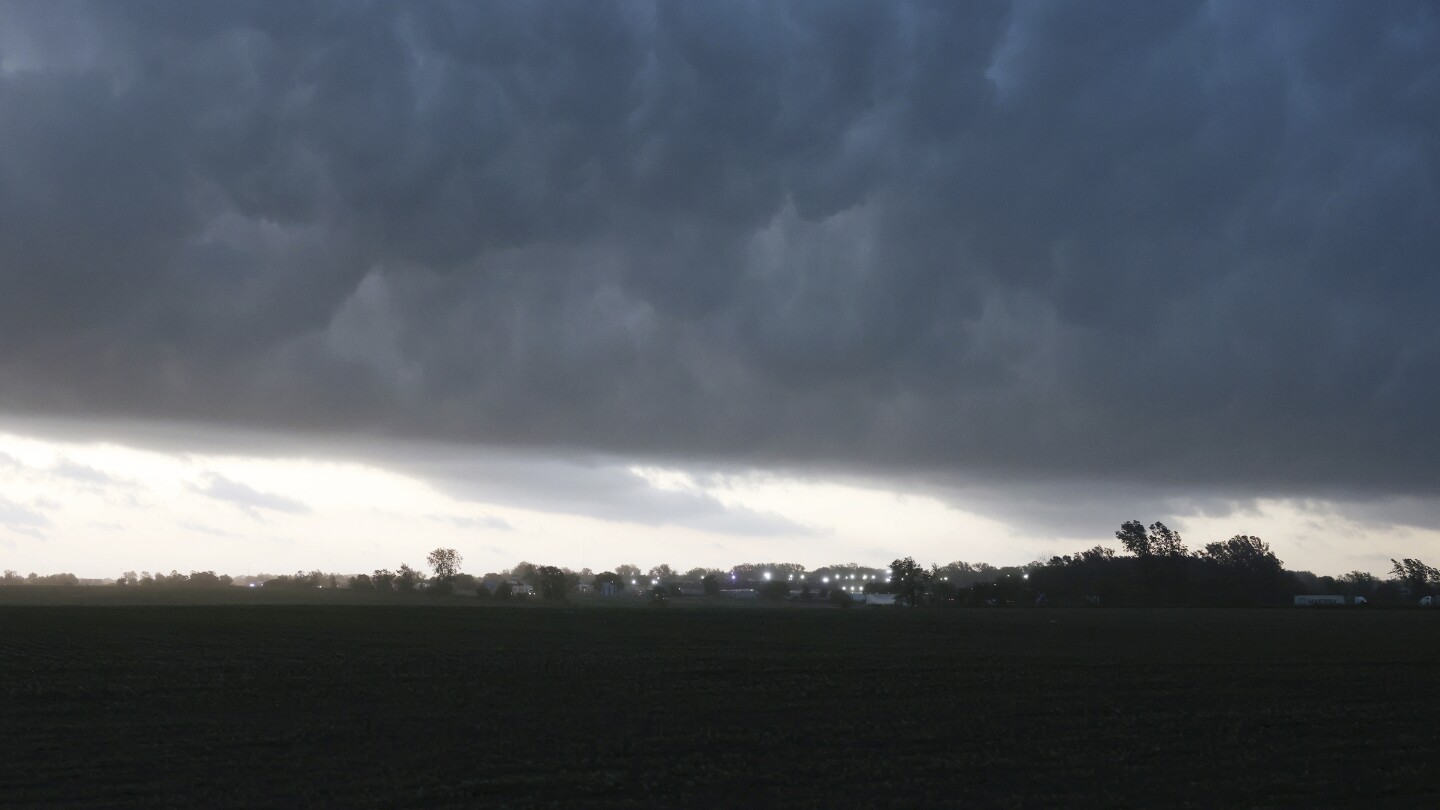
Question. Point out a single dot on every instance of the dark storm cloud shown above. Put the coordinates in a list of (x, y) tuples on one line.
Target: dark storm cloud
[(1177, 244)]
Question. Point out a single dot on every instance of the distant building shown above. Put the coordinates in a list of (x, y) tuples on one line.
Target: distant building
[(1319, 600), (491, 583), (690, 587), (740, 593)]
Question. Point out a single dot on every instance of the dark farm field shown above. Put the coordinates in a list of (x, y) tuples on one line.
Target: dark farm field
[(465, 705)]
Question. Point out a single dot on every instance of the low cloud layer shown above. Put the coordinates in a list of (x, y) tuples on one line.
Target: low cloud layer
[(1184, 245), (599, 488), (22, 519), (246, 498)]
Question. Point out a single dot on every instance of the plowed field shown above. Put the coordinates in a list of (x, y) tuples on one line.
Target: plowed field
[(467, 705)]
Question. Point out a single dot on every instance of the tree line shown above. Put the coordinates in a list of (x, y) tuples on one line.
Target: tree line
[(1155, 568)]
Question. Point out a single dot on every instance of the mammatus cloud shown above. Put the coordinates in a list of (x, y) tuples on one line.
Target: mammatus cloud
[(247, 499), (1184, 245)]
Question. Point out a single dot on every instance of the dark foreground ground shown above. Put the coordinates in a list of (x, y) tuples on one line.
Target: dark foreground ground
[(427, 705)]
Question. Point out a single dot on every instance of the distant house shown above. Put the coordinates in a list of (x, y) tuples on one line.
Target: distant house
[(887, 599), (517, 589)]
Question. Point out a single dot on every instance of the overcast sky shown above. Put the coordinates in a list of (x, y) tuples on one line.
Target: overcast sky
[(712, 282)]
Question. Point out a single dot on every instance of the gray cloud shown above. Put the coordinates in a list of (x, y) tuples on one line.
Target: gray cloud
[(23, 519), (201, 528), (598, 488), (83, 474), (246, 498), (1168, 247)]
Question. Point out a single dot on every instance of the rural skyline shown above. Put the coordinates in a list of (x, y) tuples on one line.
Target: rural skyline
[(292, 286)]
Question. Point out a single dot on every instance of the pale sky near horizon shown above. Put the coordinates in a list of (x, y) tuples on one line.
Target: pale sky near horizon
[(330, 284), (97, 509)]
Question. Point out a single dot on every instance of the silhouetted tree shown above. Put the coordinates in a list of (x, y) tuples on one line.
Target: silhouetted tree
[(608, 578), (1359, 583), (445, 562), (1251, 571), (1165, 542), (909, 580), (1133, 537), (208, 579), (527, 573), (407, 579), (552, 583), (383, 579), (711, 585), (1417, 577)]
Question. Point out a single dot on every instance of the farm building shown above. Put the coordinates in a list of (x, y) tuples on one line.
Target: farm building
[(490, 583), (690, 587)]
